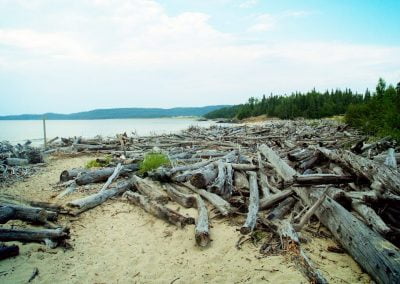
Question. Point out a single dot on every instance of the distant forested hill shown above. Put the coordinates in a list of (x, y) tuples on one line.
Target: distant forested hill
[(114, 113)]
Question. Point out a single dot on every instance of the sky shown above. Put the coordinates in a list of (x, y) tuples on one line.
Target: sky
[(74, 55)]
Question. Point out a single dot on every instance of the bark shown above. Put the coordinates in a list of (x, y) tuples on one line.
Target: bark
[(269, 201), (371, 218), (150, 189), (378, 257), (291, 244), (17, 162), (228, 188), (374, 172), (282, 209), (241, 181), (323, 179), (219, 182), (204, 176), (103, 174), (254, 203), (219, 203), (186, 200), (158, 210), (282, 168), (8, 251), (28, 235), (29, 214), (202, 234), (96, 199)]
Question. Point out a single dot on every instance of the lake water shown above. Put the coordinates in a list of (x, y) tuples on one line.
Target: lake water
[(17, 131)]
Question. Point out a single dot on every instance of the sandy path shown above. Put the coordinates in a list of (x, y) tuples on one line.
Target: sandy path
[(120, 243)]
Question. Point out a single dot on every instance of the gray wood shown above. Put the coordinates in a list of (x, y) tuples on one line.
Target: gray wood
[(202, 234), (254, 203)]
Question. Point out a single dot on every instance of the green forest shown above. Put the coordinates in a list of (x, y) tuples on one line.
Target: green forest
[(377, 112)]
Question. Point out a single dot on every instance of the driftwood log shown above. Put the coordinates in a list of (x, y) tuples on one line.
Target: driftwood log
[(158, 210), (253, 207), (202, 234)]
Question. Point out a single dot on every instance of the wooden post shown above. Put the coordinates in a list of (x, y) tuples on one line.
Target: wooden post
[(44, 132)]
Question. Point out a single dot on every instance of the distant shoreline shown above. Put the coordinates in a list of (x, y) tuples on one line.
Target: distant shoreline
[(120, 113)]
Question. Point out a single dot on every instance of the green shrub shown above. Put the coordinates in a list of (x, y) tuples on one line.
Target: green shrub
[(98, 163), (153, 161)]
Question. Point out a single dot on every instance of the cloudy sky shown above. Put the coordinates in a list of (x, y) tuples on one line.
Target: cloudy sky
[(74, 55)]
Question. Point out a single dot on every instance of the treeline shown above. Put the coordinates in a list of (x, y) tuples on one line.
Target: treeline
[(312, 104), (377, 113)]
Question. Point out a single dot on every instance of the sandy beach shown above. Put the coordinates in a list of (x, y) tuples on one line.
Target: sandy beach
[(120, 243)]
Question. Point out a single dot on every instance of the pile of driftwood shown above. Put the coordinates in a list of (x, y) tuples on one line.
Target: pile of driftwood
[(278, 175), (16, 161)]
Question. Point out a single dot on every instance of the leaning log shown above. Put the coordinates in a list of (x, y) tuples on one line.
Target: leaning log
[(272, 199), (291, 244), (158, 210), (219, 182), (254, 203), (282, 209), (280, 166), (202, 234)]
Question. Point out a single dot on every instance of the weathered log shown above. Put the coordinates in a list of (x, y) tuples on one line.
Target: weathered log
[(306, 217), (202, 234), (114, 175), (8, 251), (322, 179), (29, 214), (219, 182), (27, 235), (387, 176), (103, 174), (158, 210), (269, 201), (244, 167), (390, 160), (262, 178), (282, 209), (241, 181), (96, 199), (370, 217), (204, 176), (291, 244), (219, 203), (67, 175), (298, 155), (254, 202), (183, 199), (150, 189), (281, 167), (228, 187), (90, 147), (378, 257), (382, 158), (309, 163), (70, 189), (17, 162)]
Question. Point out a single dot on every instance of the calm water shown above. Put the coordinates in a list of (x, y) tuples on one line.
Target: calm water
[(17, 131)]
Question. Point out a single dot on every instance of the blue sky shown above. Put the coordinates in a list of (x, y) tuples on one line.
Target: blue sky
[(69, 56)]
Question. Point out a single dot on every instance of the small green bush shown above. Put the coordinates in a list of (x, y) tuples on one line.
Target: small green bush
[(98, 163), (153, 161)]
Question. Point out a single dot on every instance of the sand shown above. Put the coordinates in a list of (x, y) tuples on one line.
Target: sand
[(120, 243)]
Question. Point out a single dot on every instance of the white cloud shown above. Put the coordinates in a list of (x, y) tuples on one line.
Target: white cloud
[(267, 22)]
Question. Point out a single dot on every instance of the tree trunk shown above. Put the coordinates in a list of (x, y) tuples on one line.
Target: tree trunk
[(8, 251), (150, 189), (96, 199), (202, 234), (186, 200), (10, 235), (269, 201), (158, 210), (254, 203), (323, 179), (102, 175), (23, 213)]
